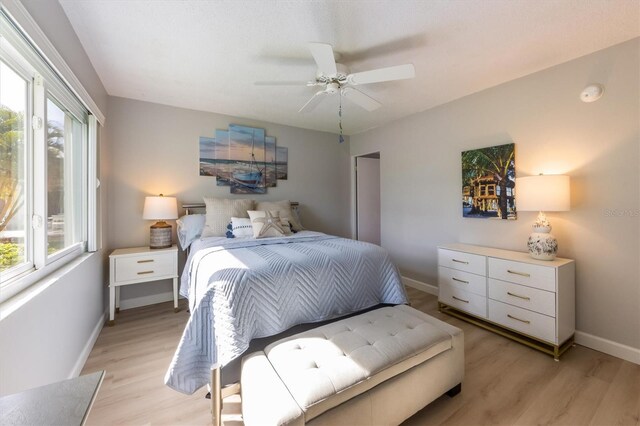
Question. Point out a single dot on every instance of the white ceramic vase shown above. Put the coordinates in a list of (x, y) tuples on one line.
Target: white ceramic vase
[(542, 244)]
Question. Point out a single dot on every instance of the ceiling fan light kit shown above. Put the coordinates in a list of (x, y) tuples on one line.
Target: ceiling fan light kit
[(334, 77)]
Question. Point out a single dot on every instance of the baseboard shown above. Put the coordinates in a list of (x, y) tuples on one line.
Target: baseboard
[(608, 347), (152, 299), (84, 355), (419, 285)]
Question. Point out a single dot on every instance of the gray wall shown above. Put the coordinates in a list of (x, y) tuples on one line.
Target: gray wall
[(596, 144), (48, 337), (154, 149)]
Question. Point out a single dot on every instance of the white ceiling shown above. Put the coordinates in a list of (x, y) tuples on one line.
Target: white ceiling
[(206, 55)]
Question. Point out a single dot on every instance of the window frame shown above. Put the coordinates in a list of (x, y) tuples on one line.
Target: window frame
[(23, 57)]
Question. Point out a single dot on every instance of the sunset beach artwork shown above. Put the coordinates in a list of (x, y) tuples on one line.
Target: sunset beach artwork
[(243, 158)]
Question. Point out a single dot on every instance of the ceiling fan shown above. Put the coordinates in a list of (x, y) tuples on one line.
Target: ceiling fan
[(334, 78)]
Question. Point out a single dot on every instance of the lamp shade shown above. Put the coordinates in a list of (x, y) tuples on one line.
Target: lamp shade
[(549, 193), (160, 208)]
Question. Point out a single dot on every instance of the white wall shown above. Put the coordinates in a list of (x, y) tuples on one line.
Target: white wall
[(154, 149), (47, 338), (596, 144)]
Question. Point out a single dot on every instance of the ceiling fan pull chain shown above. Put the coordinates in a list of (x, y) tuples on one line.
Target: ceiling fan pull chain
[(341, 139)]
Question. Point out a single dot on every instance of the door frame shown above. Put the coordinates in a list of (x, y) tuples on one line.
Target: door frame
[(354, 192)]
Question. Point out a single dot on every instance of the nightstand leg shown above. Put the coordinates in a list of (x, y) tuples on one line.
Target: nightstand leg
[(112, 304), (175, 295), (117, 299)]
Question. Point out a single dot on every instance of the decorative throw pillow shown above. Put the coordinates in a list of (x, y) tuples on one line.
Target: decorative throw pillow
[(284, 209), (219, 214), (267, 224), (240, 227), (189, 229)]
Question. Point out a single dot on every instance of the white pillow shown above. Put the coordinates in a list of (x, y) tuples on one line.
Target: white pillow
[(241, 227), (189, 229), (219, 214), (284, 209), (268, 224)]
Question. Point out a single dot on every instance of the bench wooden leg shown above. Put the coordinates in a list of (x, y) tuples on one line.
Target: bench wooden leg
[(454, 390), (216, 396)]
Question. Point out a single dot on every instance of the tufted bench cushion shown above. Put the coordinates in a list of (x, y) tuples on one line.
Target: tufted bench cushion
[(330, 365)]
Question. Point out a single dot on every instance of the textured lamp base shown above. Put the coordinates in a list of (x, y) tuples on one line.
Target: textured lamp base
[(160, 235), (542, 244)]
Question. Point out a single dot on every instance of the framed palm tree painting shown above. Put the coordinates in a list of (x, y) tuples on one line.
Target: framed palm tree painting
[(488, 182)]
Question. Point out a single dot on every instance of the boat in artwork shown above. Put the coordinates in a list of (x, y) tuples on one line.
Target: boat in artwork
[(251, 177), (248, 178)]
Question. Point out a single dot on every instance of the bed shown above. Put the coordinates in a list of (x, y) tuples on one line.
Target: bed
[(244, 289)]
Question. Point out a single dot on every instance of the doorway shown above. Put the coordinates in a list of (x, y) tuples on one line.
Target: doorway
[(367, 173)]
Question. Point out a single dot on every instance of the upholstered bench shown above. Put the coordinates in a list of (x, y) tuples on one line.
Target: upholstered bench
[(380, 367)]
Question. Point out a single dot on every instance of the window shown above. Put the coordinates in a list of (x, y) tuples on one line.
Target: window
[(14, 241), (64, 179), (47, 156)]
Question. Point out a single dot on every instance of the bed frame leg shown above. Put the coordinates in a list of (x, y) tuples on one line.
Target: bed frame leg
[(216, 396)]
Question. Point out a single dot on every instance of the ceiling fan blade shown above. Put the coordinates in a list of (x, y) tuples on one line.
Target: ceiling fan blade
[(313, 102), (360, 99), (283, 83), (323, 55), (399, 72)]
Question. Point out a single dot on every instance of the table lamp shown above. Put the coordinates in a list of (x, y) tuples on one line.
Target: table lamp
[(160, 208), (542, 193)]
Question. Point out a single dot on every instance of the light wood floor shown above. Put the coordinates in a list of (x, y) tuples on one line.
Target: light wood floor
[(505, 383)]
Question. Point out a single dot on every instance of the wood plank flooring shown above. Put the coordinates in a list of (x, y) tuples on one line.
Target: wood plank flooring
[(505, 383)]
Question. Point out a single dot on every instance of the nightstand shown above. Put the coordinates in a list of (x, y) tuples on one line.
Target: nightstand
[(140, 265)]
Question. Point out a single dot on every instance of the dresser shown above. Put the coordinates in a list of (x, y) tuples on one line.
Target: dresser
[(527, 300)]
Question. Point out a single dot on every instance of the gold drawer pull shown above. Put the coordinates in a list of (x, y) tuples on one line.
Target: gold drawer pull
[(523, 274), (145, 261), (145, 272), (518, 296), (518, 319), (460, 261), (462, 300), (459, 280)]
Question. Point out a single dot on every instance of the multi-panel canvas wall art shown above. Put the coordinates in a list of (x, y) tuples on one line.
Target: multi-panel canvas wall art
[(243, 158), (488, 182)]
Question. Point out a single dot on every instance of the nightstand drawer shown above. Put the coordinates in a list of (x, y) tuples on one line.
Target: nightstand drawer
[(463, 280), (145, 266), (462, 261), (524, 321), (463, 300), (525, 297), (537, 276)]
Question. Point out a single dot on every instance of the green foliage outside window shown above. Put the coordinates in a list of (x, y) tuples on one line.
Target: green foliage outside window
[(10, 255)]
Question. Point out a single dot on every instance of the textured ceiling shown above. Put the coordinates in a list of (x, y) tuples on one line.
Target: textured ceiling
[(206, 55)]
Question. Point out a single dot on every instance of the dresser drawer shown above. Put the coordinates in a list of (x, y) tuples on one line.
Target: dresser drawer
[(524, 321), (463, 300), (536, 276), (463, 280), (529, 298), (466, 262), (145, 266)]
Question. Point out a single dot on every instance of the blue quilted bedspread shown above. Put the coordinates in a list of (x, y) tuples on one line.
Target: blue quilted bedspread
[(239, 290)]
